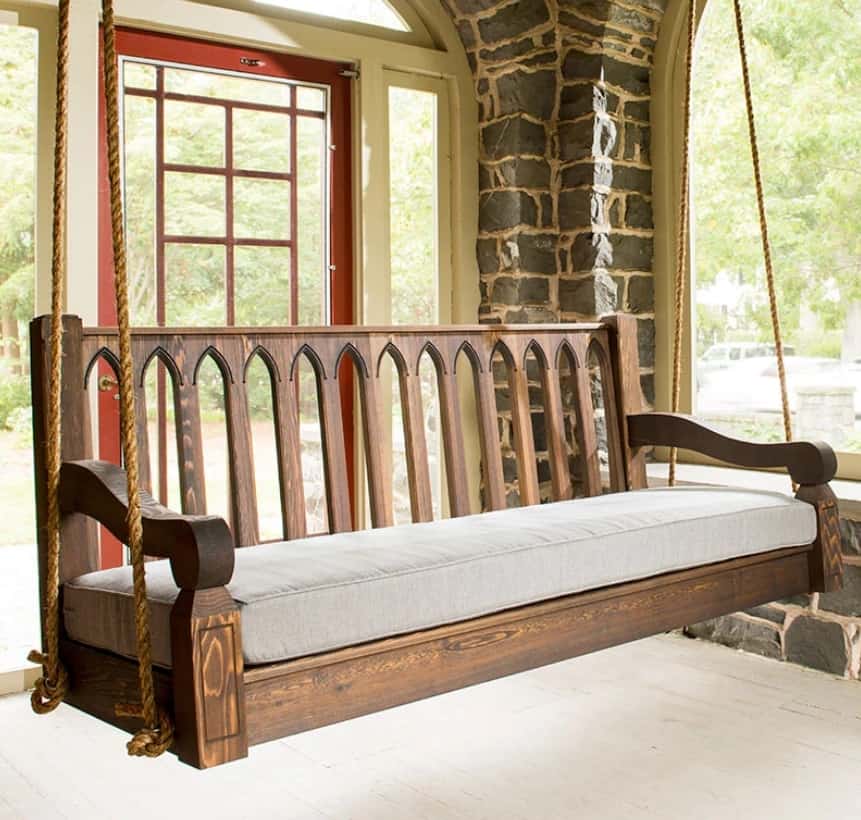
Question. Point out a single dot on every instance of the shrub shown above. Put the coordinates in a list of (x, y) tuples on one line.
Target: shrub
[(14, 395)]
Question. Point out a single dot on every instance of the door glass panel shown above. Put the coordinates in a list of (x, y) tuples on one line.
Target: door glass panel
[(261, 141), (261, 209), (211, 84), (139, 168), (311, 214), (194, 133), (138, 75), (264, 297), (194, 204), (19, 596), (195, 285), (310, 99)]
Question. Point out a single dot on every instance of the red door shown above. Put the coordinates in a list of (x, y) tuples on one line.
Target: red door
[(219, 144)]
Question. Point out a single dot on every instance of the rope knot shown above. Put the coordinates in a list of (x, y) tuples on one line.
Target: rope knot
[(48, 691), (149, 741)]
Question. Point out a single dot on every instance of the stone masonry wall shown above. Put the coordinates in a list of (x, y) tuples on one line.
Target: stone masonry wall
[(565, 215), (566, 231)]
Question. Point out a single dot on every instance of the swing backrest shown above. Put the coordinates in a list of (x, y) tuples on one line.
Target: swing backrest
[(541, 382)]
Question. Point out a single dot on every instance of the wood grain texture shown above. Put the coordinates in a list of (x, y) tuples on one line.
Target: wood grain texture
[(208, 687), (625, 356), (283, 699), (826, 558), (809, 463)]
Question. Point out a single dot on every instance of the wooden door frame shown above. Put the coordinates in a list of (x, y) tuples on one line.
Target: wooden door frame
[(200, 53)]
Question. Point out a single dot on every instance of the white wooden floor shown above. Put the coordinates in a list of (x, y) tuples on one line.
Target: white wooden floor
[(666, 728)]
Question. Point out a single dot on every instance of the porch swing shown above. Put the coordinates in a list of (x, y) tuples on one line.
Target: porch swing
[(231, 642)]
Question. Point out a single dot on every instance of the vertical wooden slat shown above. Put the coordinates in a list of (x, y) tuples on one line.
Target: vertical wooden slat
[(622, 331), (140, 353), (521, 419), (618, 482), (334, 455), (418, 471), (587, 438), (554, 426), (452, 438), (242, 489), (289, 446), (189, 438), (378, 470), (488, 431)]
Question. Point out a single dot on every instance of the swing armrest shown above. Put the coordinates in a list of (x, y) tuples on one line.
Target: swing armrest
[(200, 548), (810, 463)]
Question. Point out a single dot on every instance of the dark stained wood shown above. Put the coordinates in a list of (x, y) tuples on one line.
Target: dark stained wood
[(414, 435), (826, 558), (218, 707), (587, 437), (453, 446), (809, 463), (289, 444), (99, 680), (200, 548), (488, 433), (521, 422), (292, 697), (80, 553), (554, 429), (624, 351), (378, 469), (208, 687), (334, 457)]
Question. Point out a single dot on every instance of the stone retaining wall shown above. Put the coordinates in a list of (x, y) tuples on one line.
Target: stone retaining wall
[(566, 230)]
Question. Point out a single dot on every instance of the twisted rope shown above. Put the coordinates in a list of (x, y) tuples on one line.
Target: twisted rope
[(763, 223), (50, 688), (156, 735), (683, 231)]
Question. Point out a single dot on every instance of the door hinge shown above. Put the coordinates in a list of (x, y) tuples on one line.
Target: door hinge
[(350, 73)]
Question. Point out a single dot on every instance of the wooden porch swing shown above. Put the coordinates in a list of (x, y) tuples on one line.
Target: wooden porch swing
[(229, 642)]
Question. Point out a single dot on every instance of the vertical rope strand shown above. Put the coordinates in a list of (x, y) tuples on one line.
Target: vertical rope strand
[(683, 232), (157, 734), (763, 223), (51, 686)]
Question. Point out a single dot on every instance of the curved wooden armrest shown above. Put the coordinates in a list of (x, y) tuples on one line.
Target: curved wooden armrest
[(200, 548), (808, 462)]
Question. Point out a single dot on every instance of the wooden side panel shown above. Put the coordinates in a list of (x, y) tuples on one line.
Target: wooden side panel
[(208, 686), (304, 694), (826, 558)]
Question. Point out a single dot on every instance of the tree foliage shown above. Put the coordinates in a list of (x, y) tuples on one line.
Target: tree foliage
[(806, 75)]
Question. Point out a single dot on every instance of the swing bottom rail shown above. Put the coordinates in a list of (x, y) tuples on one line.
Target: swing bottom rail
[(263, 703)]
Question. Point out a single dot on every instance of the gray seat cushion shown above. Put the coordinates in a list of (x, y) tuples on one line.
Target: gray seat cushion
[(316, 594)]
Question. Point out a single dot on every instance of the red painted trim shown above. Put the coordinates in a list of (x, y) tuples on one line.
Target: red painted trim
[(201, 53)]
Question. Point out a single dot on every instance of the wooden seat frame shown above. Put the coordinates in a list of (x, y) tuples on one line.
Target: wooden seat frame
[(219, 706)]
